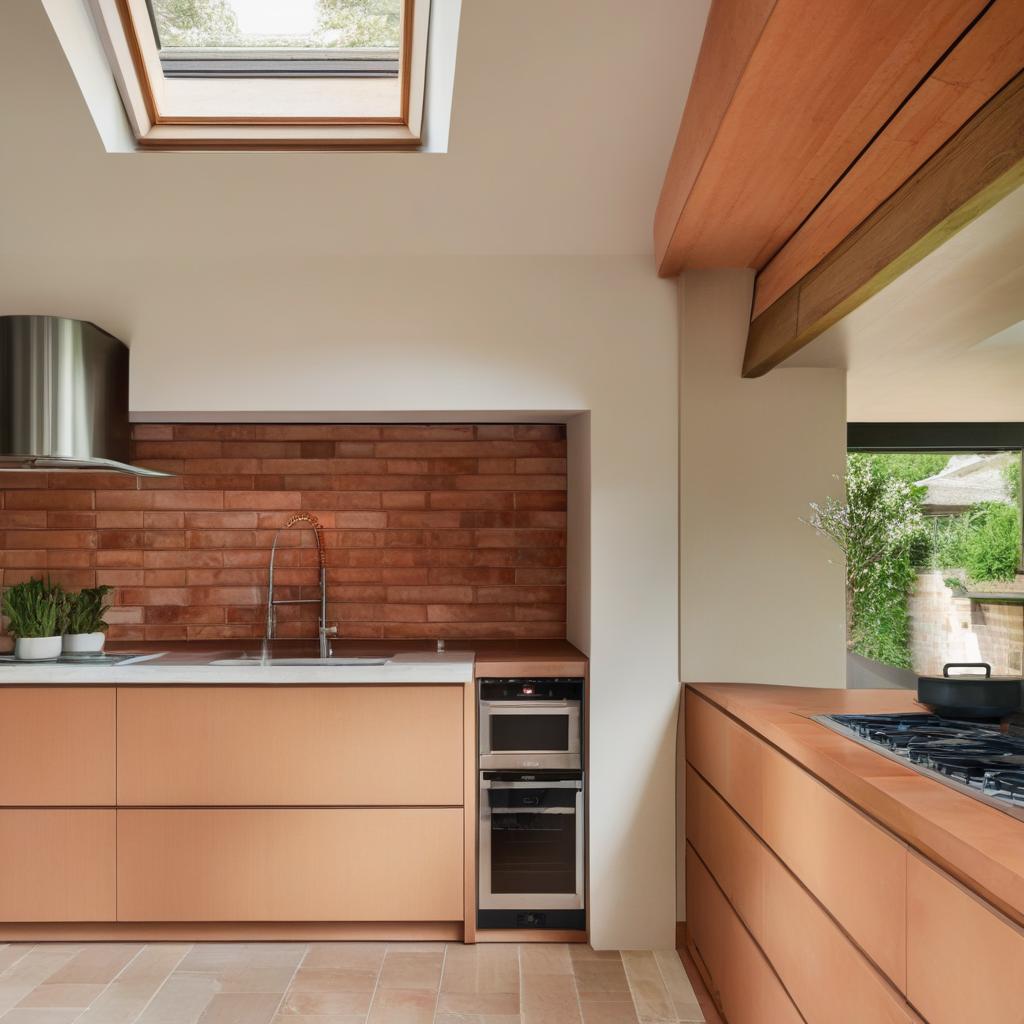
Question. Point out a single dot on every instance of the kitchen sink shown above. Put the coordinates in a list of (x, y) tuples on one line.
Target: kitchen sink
[(300, 662)]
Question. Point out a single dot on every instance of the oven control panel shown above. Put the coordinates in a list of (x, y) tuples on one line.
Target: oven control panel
[(552, 688)]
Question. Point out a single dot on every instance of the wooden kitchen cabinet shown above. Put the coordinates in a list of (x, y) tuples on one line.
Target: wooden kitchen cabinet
[(57, 865), (826, 975), (855, 869), (290, 745), (56, 746), (742, 981), (290, 864), (965, 962)]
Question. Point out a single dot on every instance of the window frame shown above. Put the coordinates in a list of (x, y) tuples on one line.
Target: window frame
[(131, 47)]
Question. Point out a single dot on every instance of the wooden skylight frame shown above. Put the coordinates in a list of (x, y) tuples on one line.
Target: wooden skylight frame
[(261, 113)]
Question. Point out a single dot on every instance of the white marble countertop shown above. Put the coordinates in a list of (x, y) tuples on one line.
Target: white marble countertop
[(197, 669)]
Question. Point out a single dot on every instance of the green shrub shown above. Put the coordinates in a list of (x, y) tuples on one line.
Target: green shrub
[(35, 609), (877, 529), (85, 610), (990, 549)]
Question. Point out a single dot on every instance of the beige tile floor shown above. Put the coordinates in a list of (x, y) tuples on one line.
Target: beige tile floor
[(340, 983)]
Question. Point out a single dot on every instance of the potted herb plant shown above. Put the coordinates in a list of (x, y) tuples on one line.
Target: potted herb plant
[(84, 628), (35, 612)]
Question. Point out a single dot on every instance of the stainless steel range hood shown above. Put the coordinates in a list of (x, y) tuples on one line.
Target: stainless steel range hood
[(63, 396)]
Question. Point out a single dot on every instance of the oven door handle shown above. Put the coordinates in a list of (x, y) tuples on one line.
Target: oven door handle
[(540, 784)]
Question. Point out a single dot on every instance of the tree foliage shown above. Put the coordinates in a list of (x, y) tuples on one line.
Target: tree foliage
[(984, 542), (340, 24), (195, 23), (876, 529), (359, 23)]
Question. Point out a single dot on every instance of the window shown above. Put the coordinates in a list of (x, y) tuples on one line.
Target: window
[(262, 73), (933, 541)]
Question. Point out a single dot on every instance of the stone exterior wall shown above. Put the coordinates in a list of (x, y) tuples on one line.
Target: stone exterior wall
[(945, 628)]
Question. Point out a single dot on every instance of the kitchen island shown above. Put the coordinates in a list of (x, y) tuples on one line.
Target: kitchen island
[(179, 798), (826, 882)]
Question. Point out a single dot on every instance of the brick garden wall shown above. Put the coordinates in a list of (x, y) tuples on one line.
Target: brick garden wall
[(430, 531), (945, 628)]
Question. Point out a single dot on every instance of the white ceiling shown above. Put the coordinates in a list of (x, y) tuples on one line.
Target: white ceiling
[(564, 116), (945, 341)]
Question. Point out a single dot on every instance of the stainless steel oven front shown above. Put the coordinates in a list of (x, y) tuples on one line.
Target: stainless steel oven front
[(531, 723), (531, 843)]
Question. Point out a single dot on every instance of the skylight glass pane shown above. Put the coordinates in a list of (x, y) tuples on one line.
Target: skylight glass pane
[(277, 24)]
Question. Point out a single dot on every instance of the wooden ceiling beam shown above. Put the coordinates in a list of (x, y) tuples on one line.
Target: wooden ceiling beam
[(980, 164), (786, 95), (980, 64)]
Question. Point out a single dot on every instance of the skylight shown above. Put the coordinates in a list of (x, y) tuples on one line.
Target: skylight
[(270, 72)]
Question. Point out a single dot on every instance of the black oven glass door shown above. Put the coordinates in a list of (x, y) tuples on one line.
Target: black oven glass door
[(534, 734), (531, 845)]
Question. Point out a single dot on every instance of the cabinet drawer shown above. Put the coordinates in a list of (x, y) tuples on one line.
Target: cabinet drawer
[(804, 945), (854, 868), (57, 865), (298, 745), (56, 747), (964, 961), (357, 864), (743, 982)]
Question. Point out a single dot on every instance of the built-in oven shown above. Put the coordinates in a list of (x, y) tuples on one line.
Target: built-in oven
[(530, 723), (531, 869)]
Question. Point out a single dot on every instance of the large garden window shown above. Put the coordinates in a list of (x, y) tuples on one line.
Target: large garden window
[(933, 548)]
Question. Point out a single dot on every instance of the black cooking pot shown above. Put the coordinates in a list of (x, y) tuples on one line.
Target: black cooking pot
[(971, 696)]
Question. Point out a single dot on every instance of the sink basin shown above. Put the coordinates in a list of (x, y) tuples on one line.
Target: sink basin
[(300, 662)]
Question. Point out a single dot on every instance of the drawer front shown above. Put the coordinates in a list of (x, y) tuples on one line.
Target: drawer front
[(852, 866), (57, 865), (964, 961), (802, 942), (727, 755), (742, 981), (359, 864), (56, 747), (314, 746)]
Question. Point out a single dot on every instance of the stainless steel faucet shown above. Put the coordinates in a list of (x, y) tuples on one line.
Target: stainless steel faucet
[(324, 633)]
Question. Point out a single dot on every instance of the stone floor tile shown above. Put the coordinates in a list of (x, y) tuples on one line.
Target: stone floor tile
[(57, 995), (402, 1006), (333, 979), (311, 1004), (545, 958), (181, 1000), (680, 990), (549, 999), (241, 1008), (97, 964), (356, 956), (124, 999), (38, 1016), (411, 971), (492, 1003), (482, 968), (647, 985)]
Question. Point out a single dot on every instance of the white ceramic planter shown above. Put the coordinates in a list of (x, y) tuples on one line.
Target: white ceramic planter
[(37, 648), (84, 643)]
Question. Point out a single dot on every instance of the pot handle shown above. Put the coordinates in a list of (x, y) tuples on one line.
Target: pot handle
[(968, 664)]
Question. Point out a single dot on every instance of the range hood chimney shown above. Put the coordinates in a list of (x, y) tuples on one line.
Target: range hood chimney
[(63, 397)]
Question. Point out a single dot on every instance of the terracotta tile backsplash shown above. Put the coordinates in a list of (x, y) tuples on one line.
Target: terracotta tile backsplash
[(430, 531)]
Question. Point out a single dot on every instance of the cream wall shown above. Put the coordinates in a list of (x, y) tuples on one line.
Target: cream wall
[(492, 335), (762, 597)]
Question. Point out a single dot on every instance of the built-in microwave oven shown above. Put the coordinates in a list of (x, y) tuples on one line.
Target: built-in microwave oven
[(530, 723)]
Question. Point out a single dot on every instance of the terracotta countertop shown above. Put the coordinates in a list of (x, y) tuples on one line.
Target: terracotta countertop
[(979, 845)]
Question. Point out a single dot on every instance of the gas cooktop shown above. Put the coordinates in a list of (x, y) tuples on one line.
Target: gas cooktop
[(976, 758)]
